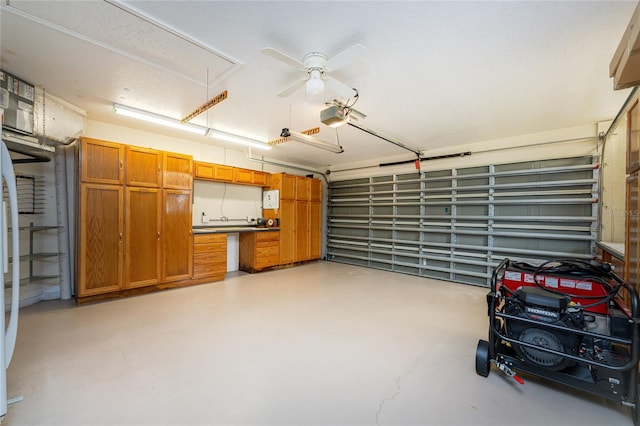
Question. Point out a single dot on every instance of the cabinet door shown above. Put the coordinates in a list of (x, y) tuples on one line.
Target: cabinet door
[(143, 208), (303, 187), (143, 167), (302, 250), (632, 248), (316, 190), (101, 251), (633, 138), (177, 248), (287, 225), (260, 178), (242, 175), (202, 170), (178, 171), (315, 230), (223, 173), (286, 184), (101, 162)]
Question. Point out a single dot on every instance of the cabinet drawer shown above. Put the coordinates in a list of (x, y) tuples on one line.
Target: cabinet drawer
[(209, 257), (210, 248), (210, 269), (267, 251), (267, 244), (264, 262), (209, 238), (267, 236)]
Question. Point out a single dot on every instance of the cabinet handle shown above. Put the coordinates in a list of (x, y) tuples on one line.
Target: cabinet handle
[(121, 164), (158, 233), (121, 236)]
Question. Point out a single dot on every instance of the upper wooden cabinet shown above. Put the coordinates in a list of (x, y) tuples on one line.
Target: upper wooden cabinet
[(316, 190), (144, 167), (210, 171), (303, 188), (625, 64), (101, 161), (286, 184), (222, 173), (178, 171)]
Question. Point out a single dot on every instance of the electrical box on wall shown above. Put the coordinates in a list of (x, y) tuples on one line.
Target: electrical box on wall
[(16, 101), (271, 199)]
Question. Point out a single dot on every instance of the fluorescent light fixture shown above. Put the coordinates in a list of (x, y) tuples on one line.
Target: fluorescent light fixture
[(192, 128), (230, 137), (158, 119), (311, 141)]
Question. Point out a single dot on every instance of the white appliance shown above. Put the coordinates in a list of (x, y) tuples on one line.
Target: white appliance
[(8, 340)]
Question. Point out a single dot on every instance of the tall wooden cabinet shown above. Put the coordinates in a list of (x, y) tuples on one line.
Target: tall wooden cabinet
[(632, 240), (101, 244), (135, 217), (300, 214)]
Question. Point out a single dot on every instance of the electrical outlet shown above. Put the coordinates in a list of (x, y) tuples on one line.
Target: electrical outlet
[(205, 218)]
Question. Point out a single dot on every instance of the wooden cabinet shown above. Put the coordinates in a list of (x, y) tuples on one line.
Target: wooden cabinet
[(315, 230), (633, 138), (144, 167), (632, 248), (302, 243), (303, 188), (177, 249), (209, 171), (287, 214), (135, 218), (242, 176), (101, 162), (300, 218), (209, 256), (101, 245), (177, 171), (260, 178), (286, 184), (259, 250), (315, 193), (143, 207), (222, 173)]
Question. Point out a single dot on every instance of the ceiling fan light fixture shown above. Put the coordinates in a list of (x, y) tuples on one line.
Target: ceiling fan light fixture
[(315, 84)]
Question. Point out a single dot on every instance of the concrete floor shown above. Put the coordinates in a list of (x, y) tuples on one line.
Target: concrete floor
[(319, 344)]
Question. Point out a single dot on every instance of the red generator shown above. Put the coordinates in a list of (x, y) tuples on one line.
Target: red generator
[(565, 320)]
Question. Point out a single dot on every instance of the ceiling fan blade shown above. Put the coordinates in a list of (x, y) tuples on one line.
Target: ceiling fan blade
[(289, 90), (276, 54), (346, 57), (339, 87)]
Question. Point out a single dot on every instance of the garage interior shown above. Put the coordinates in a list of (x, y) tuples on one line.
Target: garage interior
[(332, 185)]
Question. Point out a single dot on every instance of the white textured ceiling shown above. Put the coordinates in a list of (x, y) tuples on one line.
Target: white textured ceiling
[(437, 74)]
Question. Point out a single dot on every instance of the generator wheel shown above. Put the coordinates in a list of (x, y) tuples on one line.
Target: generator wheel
[(482, 358)]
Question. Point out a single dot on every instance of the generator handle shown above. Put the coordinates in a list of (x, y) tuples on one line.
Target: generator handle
[(633, 295), (494, 277)]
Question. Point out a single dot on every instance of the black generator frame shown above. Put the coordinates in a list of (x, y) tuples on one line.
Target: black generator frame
[(580, 376)]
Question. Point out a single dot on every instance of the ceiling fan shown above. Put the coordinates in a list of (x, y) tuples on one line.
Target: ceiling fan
[(317, 65)]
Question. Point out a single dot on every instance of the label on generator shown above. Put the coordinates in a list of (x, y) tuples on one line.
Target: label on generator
[(566, 283), (528, 278), (513, 276), (584, 285), (551, 282)]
